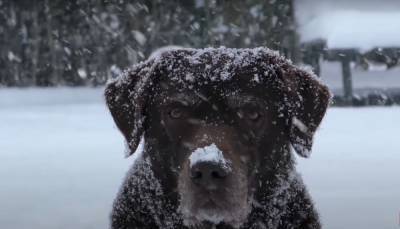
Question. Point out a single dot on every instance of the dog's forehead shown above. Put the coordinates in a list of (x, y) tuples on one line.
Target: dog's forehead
[(232, 94), (204, 66), (218, 73)]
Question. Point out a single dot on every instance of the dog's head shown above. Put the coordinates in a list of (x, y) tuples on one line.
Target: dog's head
[(217, 123)]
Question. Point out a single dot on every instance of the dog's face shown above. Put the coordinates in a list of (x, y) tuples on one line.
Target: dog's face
[(214, 133), (214, 142)]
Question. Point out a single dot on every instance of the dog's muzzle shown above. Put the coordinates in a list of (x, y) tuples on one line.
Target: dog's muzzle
[(208, 168)]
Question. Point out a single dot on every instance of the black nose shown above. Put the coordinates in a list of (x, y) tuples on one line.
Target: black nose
[(208, 174)]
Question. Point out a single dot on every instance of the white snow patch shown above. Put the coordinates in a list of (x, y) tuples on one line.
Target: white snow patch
[(364, 30), (156, 53), (376, 67), (67, 51), (189, 77), (12, 57), (139, 37), (300, 125), (256, 78), (115, 71), (209, 153), (209, 215), (138, 152), (82, 73)]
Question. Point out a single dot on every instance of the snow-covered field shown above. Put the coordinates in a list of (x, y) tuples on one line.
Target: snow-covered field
[(61, 163)]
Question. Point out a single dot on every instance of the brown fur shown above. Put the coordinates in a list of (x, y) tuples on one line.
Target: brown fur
[(252, 104)]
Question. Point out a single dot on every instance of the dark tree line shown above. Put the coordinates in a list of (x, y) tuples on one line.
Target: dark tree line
[(85, 42)]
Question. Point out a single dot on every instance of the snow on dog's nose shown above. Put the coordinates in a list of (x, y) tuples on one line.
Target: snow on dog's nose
[(208, 167)]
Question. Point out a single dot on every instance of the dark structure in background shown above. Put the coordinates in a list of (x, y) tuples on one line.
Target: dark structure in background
[(84, 42), (315, 51)]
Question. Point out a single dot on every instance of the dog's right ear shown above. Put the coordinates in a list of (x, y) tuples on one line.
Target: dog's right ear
[(126, 99)]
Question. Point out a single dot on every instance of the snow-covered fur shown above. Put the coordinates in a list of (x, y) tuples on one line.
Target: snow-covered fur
[(293, 103)]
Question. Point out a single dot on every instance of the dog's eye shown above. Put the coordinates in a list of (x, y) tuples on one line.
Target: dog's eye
[(176, 113), (252, 115)]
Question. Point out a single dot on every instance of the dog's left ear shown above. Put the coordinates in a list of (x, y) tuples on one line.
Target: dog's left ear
[(308, 102)]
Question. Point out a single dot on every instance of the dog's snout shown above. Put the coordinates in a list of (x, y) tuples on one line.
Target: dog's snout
[(208, 174)]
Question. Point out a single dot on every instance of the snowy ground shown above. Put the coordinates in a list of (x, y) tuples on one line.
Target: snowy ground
[(61, 163)]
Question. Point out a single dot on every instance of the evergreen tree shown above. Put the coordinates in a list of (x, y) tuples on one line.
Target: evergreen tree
[(85, 42)]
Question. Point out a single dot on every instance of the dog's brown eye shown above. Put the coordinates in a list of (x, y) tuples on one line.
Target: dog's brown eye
[(176, 113), (253, 115)]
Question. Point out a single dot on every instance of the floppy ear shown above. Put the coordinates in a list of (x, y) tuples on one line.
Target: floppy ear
[(309, 101), (126, 99)]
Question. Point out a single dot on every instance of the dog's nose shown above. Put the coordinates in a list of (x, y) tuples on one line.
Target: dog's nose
[(208, 174)]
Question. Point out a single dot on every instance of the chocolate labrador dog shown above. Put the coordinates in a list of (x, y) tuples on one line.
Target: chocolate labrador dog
[(217, 126)]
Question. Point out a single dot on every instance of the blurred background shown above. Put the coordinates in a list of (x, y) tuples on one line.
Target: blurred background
[(353, 45), (61, 157)]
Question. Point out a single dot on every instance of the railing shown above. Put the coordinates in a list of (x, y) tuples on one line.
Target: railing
[(313, 52)]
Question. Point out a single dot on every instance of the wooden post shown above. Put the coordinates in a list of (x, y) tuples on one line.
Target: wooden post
[(347, 80), (344, 56)]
